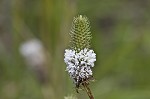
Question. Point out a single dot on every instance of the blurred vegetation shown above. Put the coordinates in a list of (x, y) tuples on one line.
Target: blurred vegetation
[(121, 39)]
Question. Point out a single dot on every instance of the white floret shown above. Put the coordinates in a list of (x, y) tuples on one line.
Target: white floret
[(79, 64)]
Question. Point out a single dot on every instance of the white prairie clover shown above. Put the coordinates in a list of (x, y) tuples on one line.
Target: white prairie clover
[(80, 58)]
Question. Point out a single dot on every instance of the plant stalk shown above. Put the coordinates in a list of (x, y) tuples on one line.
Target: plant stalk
[(88, 91)]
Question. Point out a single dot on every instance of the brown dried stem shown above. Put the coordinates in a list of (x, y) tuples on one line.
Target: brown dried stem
[(87, 89)]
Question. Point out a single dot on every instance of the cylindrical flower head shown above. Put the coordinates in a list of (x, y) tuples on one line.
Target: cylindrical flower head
[(80, 58), (80, 33)]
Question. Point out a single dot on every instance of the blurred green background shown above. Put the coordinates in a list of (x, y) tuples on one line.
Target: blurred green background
[(121, 40)]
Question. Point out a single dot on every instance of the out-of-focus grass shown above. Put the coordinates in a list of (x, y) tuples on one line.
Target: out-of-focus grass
[(121, 40)]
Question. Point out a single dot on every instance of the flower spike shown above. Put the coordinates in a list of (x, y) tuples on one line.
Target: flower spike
[(80, 58)]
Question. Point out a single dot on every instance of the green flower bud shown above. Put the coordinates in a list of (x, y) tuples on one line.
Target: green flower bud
[(80, 33)]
